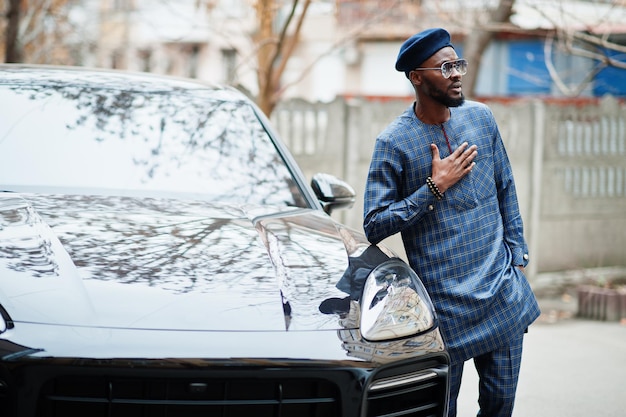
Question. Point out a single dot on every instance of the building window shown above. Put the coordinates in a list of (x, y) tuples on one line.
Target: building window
[(527, 72), (229, 65), (117, 59), (145, 60), (193, 52), (122, 5)]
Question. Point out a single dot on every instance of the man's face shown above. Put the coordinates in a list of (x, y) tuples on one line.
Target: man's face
[(446, 91)]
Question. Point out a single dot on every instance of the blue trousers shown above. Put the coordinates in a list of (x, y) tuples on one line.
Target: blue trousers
[(498, 373)]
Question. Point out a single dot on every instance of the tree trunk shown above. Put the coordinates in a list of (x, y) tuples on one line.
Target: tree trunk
[(477, 42), (13, 49), (275, 48), (266, 48)]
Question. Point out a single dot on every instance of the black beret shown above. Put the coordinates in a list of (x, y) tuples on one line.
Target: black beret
[(421, 46)]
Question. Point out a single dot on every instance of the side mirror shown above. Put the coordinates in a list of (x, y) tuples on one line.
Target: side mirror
[(332, 192)]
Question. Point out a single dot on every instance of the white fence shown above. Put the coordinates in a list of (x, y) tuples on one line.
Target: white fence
[(569, 160)]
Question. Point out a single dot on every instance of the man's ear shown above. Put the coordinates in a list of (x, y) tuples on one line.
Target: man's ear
[(415, 77)]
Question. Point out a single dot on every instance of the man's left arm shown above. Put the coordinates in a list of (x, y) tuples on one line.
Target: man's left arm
[(509, 206)]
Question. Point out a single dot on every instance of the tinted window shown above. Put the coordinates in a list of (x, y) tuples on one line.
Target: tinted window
[(202, 144)]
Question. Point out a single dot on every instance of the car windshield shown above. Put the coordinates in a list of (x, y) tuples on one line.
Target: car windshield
[(199, 144)]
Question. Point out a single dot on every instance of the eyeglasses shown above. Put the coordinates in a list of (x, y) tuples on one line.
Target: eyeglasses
[(460, 65)]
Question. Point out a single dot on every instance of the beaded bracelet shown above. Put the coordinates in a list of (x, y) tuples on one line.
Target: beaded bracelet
[(433, 188)]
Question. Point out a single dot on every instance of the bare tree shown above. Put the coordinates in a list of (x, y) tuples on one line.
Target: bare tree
[(38, 31), (277, 40), (568, 33), (588, 43), (479, 39), (275, 47)]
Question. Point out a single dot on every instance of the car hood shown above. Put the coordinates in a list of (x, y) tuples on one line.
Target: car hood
[(159, 264)]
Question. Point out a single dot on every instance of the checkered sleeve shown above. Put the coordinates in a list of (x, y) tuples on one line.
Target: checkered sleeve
[(386, 210), (509, 206)]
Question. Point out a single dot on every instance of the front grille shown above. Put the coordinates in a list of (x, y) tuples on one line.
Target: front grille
[(420, 393), (138, 388), (120, 397)]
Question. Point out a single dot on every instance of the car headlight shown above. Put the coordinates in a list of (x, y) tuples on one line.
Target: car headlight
[(395, 303)]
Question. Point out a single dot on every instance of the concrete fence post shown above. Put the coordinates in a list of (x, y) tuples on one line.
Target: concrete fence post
[(539, 118)]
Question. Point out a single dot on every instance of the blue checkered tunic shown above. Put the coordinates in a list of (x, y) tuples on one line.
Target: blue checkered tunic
[(465, 246)]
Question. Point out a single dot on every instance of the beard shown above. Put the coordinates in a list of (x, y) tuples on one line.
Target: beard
[(442, 97)]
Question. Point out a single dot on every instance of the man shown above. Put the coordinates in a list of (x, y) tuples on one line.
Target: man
[(441, 177)]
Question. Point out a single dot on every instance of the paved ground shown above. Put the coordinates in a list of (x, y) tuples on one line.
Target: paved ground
[(571, 367)]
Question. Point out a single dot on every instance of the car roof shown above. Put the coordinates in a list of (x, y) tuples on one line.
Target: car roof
[(15, 74)]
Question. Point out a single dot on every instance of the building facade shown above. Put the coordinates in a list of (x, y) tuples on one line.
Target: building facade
[(348, 48)]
